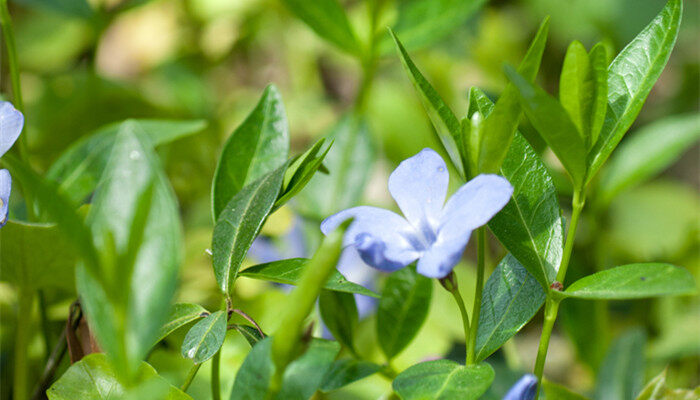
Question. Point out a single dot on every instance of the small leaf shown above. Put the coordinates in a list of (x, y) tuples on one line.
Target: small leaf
[(555, 391), (80, 167), (205, 338), (289, 272), (443, 380), (344, 372), (511, 298), (258, 146), (339, 313), (251, 334), (181, 314), (631, 76), (657, 390), (649, 151), (297, 176), (599, 66), (94, 378), (621, 375), (327, 18), (443, 119), (402, 309), (553, 123), (633, 281), (239, 224)]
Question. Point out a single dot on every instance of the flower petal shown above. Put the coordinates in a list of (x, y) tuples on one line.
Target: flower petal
[(443, 255), (476, 202), (524, 389), (11, 122), (383, 239), (5, 188), (419, 185)]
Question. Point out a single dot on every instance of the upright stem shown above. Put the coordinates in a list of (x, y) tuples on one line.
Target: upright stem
[(369, 58), (215, 380), (480, 267), (463, 310), (577, 206), (190, 377), (24, 311), (550, 315), (45, 328)]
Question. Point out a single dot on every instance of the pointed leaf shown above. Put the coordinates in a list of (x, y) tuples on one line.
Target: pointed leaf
[(258, 146), (631, 76), (339, 313), (327, 18), (251, 334), (657, 390), (205, 338), (181, 314), (301, 171), (443, 380), (344, 372)]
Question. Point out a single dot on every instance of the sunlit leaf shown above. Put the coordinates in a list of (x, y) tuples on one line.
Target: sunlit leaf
[(443, 380)]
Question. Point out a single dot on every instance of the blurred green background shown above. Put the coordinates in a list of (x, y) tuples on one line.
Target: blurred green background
[(211, 59)]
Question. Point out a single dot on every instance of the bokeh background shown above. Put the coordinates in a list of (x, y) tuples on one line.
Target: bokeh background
[(87, 64)]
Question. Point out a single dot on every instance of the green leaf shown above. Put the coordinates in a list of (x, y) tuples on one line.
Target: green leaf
[(422, 22), (621, 376), (181, 314), (80, 167), (631, 76), (583, 89), (258, 146), (344, 372), (205, 338), (648, 152), (239, 224), (511, 298), (339, 313), (36, 256), (446, 125), (327, 18), (94, 378), (443, 380), (289, 272), (251, 334), (552, 122), (499, 127), (558, 392), (633, 281), (349, 162), (657, 390), (402, 309), (301, 171), (530, 226), (135, 222), (301, 379)]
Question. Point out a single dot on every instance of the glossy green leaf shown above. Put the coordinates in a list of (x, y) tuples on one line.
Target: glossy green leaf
[(339, 313), (621, 376), (349, 163), (36, 256), (510, 299), (251, 334), (656, 389), (530, 226), (289, 272), (205, 338), (402, 309), (443, 119), (135, 222), (346, 371), (422, 22), (301, 379), (633, 281), (648, 152), (554, 125), (301, 171), (631, 76), (239, 224), (80, 167), (443, 380), (181, 314), (501, 124), (327, 18), (258, 146), (94, 378)]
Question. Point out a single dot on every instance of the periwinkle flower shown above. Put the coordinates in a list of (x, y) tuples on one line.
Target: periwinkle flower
[(524, 389), (433, 232), (11, 123)]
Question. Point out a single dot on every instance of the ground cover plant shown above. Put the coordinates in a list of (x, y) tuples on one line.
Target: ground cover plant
[(172, 228)]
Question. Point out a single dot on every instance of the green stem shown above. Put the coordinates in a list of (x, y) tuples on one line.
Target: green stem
[(21, 369), (45, 328), (577, 206), (465, 315), (369, 58), (9, 35), (480, 267), (190, 377), (215, 380), (550, 315)]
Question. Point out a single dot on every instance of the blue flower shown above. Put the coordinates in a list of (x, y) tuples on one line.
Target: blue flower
[(433, 232), (524, 389), (11, 123)]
